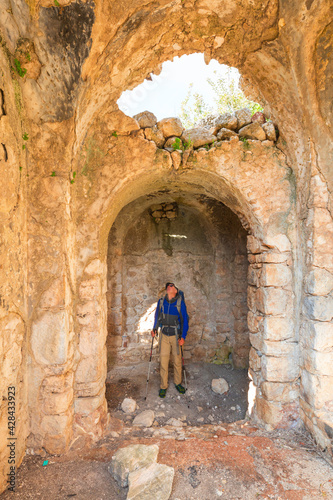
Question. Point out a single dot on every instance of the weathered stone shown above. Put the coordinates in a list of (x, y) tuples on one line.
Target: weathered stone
[(131, 458), (278, 392), (128, 405), (176, 159), (86, 406), (277, 415), (145, 119), (318, 363), (155, 135), (253, 131), (254, 360), (279, 369), (90, 289), (144, 419), (319, 308), (175, 422), (170, 127), (220, 385), (318, 335), (275, 275), (225, 133), (198, 137), (316, 390), (279, 241), (243, 117), (227, 121), (50, 338), (258, 117), (319, 282), (277, 328), (269, 130), (151, 483)]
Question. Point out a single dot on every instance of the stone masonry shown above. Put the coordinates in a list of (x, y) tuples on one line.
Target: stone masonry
[(73, 168)]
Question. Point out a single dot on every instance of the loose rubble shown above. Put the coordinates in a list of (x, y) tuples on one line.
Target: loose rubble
[(169, 133)]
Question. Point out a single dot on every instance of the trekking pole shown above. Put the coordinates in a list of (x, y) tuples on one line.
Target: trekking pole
[(181, 349), (151, 353)]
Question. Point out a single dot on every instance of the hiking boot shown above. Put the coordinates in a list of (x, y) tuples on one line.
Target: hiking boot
[(162, 393), (180, 388)]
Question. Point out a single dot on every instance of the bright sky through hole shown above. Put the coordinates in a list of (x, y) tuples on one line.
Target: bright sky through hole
[(164, 94)]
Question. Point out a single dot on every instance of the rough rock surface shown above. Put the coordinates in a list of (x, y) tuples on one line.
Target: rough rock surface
[(270, 131), (220, 385), (146, 119), (154, 134), (151, 483), (131, 458), (243, 117), (198, 137), (128, 405), (144, 419), (253, 131), (225, 133), (170, 127), (227, 120)]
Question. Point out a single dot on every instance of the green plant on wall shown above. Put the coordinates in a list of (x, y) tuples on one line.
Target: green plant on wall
[(20, 71), (73, 178), (177, 144)]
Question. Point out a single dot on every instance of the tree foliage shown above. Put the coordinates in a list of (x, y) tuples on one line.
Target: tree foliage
[(228, 97)]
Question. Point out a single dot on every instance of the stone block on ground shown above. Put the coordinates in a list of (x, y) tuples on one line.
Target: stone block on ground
[(253, 131), (128, 405), (199, 136), (175, 422), (145, 119), (131, 458), (144, 419), (151, 483), (220, 385)]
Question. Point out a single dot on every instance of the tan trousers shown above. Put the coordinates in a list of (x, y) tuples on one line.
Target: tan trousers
[(169, 345)]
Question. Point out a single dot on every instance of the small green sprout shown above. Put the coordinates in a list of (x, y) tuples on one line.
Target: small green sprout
[(25, 136), (28, 56), (56, 3), (72, 180), (177, 144), (53, 174), (21, 71), (114, 134)]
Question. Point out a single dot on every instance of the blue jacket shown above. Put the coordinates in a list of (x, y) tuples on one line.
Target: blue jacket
[(171, 308)]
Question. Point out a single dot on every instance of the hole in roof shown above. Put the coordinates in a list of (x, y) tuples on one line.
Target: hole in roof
[(189, 89)]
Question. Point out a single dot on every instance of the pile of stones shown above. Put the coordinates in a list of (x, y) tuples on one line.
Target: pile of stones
[(170, 134)]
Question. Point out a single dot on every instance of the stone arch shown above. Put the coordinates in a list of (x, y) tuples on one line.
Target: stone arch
[(218, 174)]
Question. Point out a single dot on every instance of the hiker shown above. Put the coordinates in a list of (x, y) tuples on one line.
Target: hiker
[(171, 316)]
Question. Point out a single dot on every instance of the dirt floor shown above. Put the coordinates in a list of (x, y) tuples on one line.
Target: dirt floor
[(232, 460), (199, 406)]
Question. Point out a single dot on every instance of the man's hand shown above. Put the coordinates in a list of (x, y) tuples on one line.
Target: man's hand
[(153, 333), (181, 341)]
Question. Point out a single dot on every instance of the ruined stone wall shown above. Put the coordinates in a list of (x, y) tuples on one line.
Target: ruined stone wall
[(205, 254), (86, 161), (14, 426)]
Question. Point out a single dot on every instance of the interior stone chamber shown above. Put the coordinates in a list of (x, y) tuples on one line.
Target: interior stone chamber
[(248, 229)]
